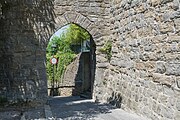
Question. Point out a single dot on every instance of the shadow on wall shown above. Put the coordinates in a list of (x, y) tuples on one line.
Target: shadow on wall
[(115, 99), (84, 80), (80, 74), (28, 25)]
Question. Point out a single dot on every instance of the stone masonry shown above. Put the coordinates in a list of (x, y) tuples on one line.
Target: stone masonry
[(26, 27), (145, 66), (143, 75)]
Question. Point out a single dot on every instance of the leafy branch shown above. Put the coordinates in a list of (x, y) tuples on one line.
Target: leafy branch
[(107, 49), (73, 35)]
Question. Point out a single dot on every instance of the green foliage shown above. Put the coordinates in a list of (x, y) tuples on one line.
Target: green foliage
[(107, 49), (74, 35), (64, 54)]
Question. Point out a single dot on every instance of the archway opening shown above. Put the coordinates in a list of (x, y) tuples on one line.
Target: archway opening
[(71, 62)]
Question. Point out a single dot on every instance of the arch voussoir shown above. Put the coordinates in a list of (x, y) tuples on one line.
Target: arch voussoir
[(70, 16), (90, 26), (60, 21), (86, 23), (77, 18), (93, 32), (80, 20)]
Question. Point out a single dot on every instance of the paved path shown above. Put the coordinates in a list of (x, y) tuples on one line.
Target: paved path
[(76, 108)]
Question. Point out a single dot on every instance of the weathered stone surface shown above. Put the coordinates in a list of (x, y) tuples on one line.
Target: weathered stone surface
[(165, 28), (144, 68), (167, 112), (27, 32), (178, 82), (173, 69), (101, 59), (155, 2), (178, 104), (160, 67), (177, 116), (103, 65), (163, 79), (176, 4)]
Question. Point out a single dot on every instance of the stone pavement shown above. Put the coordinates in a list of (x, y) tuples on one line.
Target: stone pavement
[(19, 113), (69, 108), (76, 108)]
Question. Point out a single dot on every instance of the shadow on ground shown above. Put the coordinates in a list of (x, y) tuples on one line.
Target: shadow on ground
[(73, 108), (19, 113)]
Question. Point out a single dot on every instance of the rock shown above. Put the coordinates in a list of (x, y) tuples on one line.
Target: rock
[(176, 4), (155, 2), (167, 112), (178, 105), (163, 79), (177, 115), (172, 69), (160, 67), (102, 65), (178, 82), (166, 27)]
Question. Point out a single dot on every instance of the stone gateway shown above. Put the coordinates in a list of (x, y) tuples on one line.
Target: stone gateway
[(141, 72)]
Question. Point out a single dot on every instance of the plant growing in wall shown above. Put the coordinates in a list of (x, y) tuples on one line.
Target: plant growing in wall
[(107, 49)]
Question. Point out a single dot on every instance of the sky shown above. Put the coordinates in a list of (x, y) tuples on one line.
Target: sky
[(60, 31)]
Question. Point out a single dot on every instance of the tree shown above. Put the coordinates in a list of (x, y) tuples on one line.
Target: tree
[(74, 35)]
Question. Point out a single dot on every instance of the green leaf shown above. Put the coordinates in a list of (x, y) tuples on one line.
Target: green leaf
[(74, 35)]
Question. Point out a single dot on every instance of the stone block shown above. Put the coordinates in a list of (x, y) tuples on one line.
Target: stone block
[(174, 38), (102, 65), (163, 79), (166, 1), (167, 112), (101, 59), (115, 50), (168, 91), (144, 56), (178, 105), (171, 102), (155, 2), (178, 82), (160, 67), (154, 106), (140, 66), (177, 115), (176, 4), (146, 111), (80, 19), (166, 27), (163, 99), (172, 69), (86, 23)]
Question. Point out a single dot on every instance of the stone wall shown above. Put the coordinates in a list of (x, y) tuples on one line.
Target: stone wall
[(66, 91), (3, 66), (23, 75), (76, 79), (26, 29), (144, 72)]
